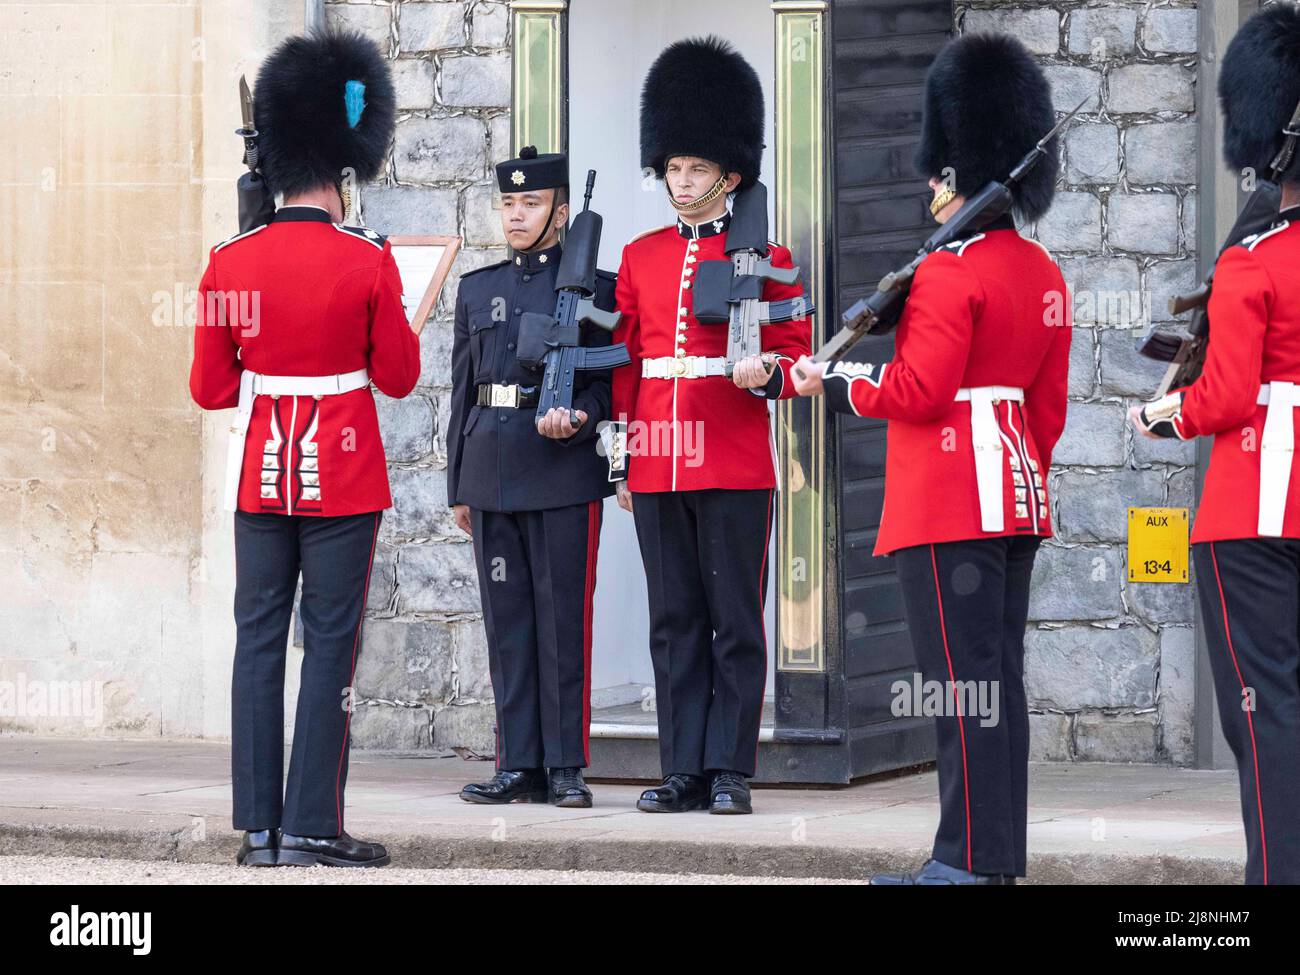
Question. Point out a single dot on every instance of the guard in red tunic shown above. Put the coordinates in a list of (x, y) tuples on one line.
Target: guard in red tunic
[(296, 319), (1246, 538), (975, 398), (695, 454)]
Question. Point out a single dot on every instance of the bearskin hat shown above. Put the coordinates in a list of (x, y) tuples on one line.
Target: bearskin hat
[(1259, 86), (987, 102), (322, 103), (702, 98)]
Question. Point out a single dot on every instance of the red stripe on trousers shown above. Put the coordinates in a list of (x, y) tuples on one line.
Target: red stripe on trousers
[(1250, 723), (356, 639), (961, 726), (762, 592), (593, 545)]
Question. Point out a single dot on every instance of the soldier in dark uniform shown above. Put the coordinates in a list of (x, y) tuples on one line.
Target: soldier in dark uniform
[(696, 461), (530, 493), (975, 396), (1246, 539), (306, 477)]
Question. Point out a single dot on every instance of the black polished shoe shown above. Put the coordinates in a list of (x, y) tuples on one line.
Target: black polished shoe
[(932, 873), (528, 785), (568, 790), (259, 848), (729, 794), (331, 851), (677, 793)]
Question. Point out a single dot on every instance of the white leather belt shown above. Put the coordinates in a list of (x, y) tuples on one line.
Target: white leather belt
[(252, 385), (1276, 450), (986, 438), (683, 367)]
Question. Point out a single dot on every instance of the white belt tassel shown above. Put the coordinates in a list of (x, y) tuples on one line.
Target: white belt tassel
[(1276, 450), (252, 385), (986, 439)]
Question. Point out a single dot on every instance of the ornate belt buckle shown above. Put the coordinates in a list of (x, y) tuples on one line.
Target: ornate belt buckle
[(680, 367), (505, 395)]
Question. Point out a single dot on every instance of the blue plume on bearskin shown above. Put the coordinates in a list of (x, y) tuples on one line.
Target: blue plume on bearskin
[(323, 102)]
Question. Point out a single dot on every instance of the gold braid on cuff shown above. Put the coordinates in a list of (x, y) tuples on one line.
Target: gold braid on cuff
[(1164, 408)]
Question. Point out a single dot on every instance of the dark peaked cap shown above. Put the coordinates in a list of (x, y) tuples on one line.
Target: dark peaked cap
[(1259, 87), (323, 102), (702, 98), (987, 102), (531, 170)]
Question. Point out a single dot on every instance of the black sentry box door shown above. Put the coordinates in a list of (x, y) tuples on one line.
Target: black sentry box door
[(882, 49)]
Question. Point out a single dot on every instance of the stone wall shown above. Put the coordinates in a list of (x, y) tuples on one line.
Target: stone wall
[(1109, 663), (423, 679)]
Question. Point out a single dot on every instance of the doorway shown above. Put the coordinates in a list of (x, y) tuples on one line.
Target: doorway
[(611, 45)]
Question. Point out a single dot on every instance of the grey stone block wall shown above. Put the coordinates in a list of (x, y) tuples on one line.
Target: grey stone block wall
[(1108, 663), (422, 678)]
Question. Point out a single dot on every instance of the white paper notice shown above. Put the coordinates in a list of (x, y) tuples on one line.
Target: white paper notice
[(417, 264)]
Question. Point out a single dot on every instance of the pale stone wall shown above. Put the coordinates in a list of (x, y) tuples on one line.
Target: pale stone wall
[(118, 119)]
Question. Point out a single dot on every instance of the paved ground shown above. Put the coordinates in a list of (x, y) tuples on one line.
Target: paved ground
[(161, 801), (84, 870)]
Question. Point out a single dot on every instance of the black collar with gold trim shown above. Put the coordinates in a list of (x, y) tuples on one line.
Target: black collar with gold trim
[(301, 212), (538, 260), (708, 228)]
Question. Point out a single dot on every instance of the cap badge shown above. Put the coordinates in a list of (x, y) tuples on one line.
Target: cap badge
[(517, 177)]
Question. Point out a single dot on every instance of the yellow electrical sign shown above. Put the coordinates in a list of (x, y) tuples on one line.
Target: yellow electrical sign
[(1157, 544)]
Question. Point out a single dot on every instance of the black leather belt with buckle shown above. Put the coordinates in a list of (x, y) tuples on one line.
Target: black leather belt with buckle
[(510, 396)]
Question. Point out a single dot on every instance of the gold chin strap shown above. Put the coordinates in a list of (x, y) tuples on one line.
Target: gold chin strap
[(714, 192), (942, 200)]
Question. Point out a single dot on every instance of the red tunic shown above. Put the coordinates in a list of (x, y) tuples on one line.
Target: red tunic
[(301, 296), (1255, 308), (692, 434), (991, 310)]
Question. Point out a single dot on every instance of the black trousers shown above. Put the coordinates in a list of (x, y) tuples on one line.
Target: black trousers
[(537, 578), (966, 603), (705, 555), (334, 556), (1249, 590)]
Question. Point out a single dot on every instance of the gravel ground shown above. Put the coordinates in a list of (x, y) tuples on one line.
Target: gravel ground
[(79, 870)]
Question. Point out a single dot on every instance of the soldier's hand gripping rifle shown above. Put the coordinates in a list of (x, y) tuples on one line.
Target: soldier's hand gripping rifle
[(550, 342), (731, 292), (878, 313), (256, 204), (1186, 353)]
